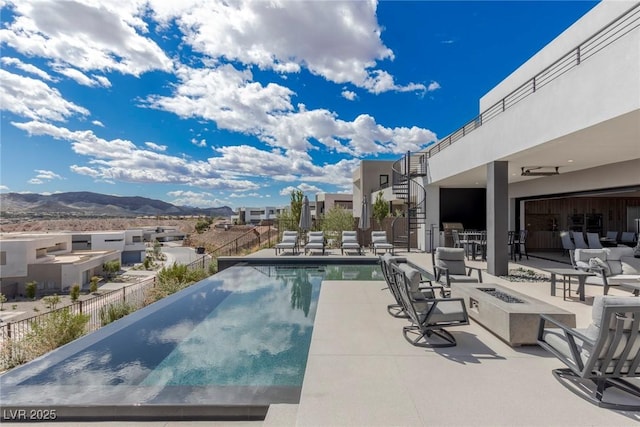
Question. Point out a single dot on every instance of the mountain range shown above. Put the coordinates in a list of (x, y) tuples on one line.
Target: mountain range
[(85, 203)]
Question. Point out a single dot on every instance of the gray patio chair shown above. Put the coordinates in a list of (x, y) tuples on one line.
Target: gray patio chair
[(613, 235), (315, 242), (289, 241), (594, 241), (449, 267), (567, 243), (379, 242), (602, 356), (628, 238), (350, 242), (578, 240), (428, 316)]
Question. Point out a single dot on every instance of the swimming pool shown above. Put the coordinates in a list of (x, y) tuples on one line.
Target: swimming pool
[(226, 347)]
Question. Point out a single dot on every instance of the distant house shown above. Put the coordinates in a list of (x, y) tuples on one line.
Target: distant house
[(49, 260), (130, 243)]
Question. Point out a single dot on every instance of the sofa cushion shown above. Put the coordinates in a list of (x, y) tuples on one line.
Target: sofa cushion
[(630, 265)]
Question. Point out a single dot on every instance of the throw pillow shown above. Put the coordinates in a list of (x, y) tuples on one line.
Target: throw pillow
[(598, 263)]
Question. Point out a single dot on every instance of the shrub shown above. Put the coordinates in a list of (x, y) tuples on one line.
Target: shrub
[(113, 312), (51, 301), (147, 263), (380, 209), (56, 329), (3, 299), (30, 290), (173, 279), (93, 284), (335, 222), (111, 267), (74, 292)]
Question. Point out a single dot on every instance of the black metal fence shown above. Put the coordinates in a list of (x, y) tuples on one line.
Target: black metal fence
[(133, 295)]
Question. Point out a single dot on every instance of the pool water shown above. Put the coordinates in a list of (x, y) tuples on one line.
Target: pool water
[(239, 337)]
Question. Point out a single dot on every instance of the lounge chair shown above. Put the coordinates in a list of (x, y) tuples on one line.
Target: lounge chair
[(601, 356), (613, 235), (350, 242), (628, 238), (289, 241), (379, 242), (594, 241), (578, 240), (567, 243), (429, 316), (449, 267), (315, 242)]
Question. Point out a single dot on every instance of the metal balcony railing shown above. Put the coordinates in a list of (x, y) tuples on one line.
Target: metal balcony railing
[(619, 27)]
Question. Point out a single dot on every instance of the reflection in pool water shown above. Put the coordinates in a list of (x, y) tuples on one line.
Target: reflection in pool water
[(240, 337)]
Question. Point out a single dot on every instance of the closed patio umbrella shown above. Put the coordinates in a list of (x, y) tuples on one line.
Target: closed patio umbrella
[(305, 215), (364, 223), (365, 217)]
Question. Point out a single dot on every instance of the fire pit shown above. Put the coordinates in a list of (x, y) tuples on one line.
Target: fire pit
[(512, 316), (508, 298)]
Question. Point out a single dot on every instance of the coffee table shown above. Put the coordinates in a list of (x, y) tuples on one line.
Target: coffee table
[(567, 274)]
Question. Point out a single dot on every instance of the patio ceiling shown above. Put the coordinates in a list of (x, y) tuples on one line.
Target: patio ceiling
[(613, 141)]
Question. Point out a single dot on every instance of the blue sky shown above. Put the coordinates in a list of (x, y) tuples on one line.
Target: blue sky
[(209, 103)]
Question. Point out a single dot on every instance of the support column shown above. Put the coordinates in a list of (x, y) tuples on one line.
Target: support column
[(497, 218)]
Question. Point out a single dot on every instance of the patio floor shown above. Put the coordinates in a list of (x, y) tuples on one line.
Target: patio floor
[(362, 372)]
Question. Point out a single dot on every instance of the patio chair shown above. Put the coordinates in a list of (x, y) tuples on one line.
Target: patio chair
[(578, 240), (315, 242), (613, 235), (449, 267), (379, 242), (350, 242), (628, 238), (602, 356), (522, 244), (419, 293), (289, 241), (567, 243), (594, 241), (430, 316)]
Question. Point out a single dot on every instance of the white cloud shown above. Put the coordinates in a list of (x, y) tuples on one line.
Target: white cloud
[(349, 94), (305, 188), (85, 35), (229, 97), (43, 176), (340, 41), (156, 147), (29, 68), (34, 99), (200, 143), (97, 123), (3, 187), (195, 199), (433, 86), (121, 160)]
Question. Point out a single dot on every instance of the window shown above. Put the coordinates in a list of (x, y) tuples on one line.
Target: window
[(3, 257), (113, 240), (384, 181)]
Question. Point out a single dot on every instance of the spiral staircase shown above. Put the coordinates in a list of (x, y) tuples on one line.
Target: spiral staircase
[(405, 187)]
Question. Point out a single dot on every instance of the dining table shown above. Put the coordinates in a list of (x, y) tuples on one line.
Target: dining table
[(475, 242)]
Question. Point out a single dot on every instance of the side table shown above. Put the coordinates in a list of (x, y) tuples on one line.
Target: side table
[(567, 274)]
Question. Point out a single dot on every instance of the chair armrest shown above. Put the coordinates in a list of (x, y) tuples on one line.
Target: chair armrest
[(442, 270), (478, 270), (569, 332)]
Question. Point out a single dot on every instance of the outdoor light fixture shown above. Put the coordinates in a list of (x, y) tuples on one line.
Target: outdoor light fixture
[(540, 171)]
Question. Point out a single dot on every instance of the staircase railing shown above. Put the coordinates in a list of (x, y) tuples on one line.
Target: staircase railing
[(405, 187)]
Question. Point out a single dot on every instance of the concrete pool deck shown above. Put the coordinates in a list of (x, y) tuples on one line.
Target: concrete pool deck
[(361, 371)]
